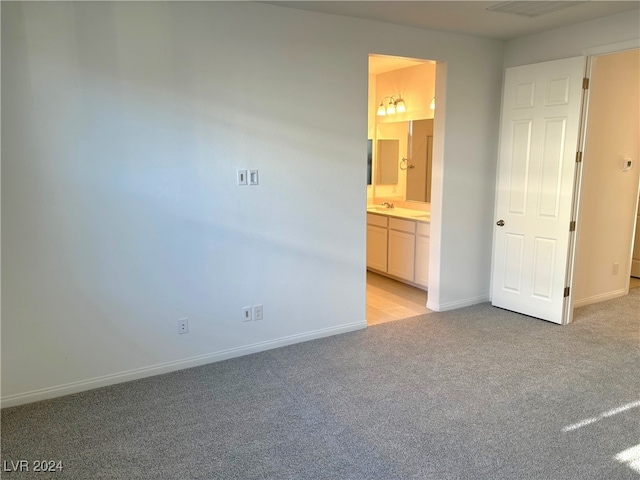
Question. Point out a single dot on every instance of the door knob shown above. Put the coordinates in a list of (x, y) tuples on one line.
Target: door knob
[(500, 223)]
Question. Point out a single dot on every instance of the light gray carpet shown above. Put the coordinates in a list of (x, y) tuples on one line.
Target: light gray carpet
[(477, 393)]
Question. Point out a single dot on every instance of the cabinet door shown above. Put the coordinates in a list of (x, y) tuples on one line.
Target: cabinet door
[(401, 254), (422, 261), (377, 248)]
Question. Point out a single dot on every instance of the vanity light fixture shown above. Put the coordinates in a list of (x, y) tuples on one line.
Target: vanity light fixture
[(432, 105), (393, 105), (391, 108)]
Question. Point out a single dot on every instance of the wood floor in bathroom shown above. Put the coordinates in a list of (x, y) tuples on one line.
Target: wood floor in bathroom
[(389, 300)]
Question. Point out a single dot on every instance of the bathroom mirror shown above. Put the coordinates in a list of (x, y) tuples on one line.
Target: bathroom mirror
[(387, 156), (402, 159)]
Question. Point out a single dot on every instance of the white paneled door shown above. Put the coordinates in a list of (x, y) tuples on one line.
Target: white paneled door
[(541, 109)]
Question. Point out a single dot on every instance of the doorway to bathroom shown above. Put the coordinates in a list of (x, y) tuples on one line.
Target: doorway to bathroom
[(401, 110)]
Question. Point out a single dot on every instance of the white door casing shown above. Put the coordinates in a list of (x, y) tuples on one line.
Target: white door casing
[(540, 128)]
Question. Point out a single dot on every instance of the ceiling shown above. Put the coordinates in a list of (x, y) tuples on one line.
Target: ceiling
[(468, 17)]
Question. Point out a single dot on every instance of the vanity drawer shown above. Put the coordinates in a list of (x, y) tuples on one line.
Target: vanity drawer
[(408, 226), (377, 220), (423, 229)]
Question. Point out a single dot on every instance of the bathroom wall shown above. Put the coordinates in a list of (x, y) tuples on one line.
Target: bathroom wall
[(416, 86)]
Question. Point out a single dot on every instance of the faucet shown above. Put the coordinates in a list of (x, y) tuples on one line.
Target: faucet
[(387, 204)]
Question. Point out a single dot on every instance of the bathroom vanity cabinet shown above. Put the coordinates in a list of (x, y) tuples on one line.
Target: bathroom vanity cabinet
[(399, 248), (377, 242), (401, 251)]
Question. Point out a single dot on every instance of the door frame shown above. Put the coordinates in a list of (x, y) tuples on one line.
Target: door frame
[(589, 53), (567, 313), (437, 158)]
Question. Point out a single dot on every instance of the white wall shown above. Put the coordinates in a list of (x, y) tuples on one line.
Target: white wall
[(609, 194), (123, 126), (573, 40)]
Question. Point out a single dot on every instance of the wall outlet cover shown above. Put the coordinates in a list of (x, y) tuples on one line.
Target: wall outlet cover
[(183, 326)]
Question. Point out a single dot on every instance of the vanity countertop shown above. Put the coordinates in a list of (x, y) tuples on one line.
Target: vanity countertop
[(400, 212)]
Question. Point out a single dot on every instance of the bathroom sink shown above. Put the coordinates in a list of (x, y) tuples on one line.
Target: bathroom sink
[(401, 212), (381, 209)]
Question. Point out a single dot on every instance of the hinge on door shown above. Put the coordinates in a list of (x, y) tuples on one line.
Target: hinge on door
[(572, 226), (578, 157), (566, 291), (585, 83)]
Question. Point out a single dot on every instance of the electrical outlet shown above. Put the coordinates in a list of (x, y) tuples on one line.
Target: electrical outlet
[(257, 312), (616, 268), (246, 314), (183, 325)]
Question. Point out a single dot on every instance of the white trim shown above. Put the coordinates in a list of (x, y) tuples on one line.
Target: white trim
[(467, 302), (601, 297), (576, 201), (138, 373), (613, 47)]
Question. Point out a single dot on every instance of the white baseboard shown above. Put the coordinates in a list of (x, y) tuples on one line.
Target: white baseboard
[(138, 373), (467, 302), (599, 298)]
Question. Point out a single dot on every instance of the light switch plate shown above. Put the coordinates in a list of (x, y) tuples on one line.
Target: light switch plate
[(242, 177), (627, 163), (253, 177)]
